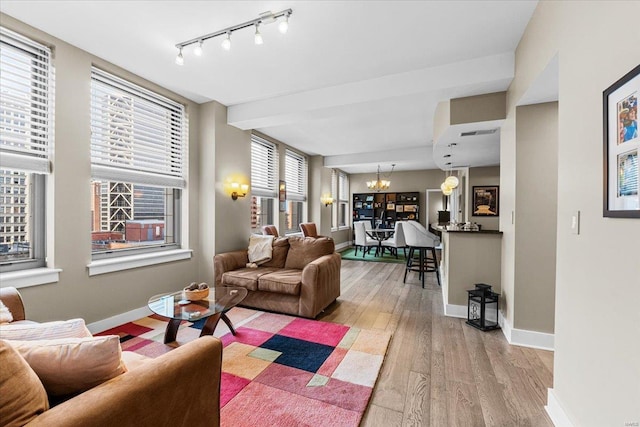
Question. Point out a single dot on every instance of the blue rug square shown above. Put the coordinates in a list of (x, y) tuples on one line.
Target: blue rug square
[(299, 354)]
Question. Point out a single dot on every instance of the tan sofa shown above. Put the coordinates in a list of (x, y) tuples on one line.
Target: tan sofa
[(302, 278), (179, 388)]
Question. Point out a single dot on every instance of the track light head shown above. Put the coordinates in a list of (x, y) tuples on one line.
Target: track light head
[(180, 58), (284, 24), (257, 38), (226, 43), (197, 51)]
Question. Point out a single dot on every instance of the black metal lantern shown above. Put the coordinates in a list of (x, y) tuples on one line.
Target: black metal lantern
[(482, 311)]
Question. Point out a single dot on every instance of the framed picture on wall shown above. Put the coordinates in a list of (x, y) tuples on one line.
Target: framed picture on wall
[(621, 147), (486, 200)]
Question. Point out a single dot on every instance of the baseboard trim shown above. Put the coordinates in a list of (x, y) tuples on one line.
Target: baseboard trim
[(342, 245), (119, 319), (452, 310), (525, 338), (555, 411)]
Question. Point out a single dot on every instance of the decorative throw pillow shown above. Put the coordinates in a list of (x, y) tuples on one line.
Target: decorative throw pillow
[(23, 397), (73, 365), (74, 328), (303, 250), (5, 314)]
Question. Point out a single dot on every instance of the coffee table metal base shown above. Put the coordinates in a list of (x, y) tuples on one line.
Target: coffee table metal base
[(208, 328)]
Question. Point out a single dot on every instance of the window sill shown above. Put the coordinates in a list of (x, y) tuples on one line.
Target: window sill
[(111, 265), (344, 227), (31, 277)]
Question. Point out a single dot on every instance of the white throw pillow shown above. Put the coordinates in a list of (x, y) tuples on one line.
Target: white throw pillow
[(74, 328), (5, 313)]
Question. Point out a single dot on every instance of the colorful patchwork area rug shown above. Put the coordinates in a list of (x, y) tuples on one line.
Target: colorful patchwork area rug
[(280, 370)]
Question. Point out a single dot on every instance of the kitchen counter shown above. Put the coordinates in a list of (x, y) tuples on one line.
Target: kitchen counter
[(468, 257)]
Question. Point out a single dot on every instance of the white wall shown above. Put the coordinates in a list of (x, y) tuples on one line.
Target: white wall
[(597, 332)]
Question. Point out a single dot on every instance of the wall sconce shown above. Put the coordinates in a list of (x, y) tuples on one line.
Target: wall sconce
[(326, 199), (239, 190)]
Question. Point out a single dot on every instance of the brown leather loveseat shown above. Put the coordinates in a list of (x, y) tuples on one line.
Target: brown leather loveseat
[(302, 278), (178, 388)]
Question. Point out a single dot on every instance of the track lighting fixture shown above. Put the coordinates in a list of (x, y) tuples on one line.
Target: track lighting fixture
[(180, 58), (197, 51), (257, 38), (265, 18), (284, 24), (226, 43)]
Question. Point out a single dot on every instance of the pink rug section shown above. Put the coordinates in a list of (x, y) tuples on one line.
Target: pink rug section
[(232, 386), (261, 405), (332, 362), (247, 336), (315, 331), (339, 393)]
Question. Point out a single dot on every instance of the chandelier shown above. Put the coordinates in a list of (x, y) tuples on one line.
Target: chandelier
[(380, 184)]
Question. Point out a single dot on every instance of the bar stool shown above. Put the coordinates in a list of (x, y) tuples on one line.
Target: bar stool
[(419, 239)]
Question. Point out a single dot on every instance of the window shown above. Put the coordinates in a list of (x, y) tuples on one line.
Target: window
[(138, 168), (296, 180), (264, 182), (26, 138), (334, 206), (343, 199)]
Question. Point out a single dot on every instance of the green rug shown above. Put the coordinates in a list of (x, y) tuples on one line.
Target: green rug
[(387, 257)]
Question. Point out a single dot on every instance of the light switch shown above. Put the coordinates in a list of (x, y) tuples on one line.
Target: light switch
[(575, 222)]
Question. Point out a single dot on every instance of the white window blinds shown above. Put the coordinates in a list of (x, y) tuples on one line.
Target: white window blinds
[(137, 136), (343, 187), (296, 176), (26, 104), (264, 163)]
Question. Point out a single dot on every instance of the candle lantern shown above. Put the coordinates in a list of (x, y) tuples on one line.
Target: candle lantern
[(482, 310)]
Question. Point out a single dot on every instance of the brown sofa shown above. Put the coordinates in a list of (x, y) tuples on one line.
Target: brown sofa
[(179, 388), (302, 278)]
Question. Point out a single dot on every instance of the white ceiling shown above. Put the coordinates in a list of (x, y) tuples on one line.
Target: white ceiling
[(355, 81)]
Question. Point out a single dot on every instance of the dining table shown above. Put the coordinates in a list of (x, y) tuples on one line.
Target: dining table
[(380, 234)]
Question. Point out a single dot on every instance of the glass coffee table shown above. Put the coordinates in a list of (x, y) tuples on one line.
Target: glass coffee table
[(213, 307)]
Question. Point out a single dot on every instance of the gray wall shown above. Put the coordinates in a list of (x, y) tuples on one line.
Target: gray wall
[(596, 373), (536, 216)]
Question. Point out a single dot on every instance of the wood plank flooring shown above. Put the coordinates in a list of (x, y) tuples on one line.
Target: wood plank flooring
[(439, 371)]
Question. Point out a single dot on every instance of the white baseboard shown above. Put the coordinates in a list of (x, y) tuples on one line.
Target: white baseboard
[(455, 311), (525, 338), (342, 245), (555, 411), (119, 319)]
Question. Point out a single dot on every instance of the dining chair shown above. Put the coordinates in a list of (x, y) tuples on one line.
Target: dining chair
[(309, 229), (396, 241), (270, 230), (363, 241), (419, 239)]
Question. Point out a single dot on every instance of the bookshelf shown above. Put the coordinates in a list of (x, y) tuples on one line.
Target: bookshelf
[(384, 209)]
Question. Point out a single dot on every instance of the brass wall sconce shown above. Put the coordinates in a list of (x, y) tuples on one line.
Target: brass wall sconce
[(326, 199), (239, 190)]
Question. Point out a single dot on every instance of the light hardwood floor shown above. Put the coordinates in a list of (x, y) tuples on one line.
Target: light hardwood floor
[(438, 371)]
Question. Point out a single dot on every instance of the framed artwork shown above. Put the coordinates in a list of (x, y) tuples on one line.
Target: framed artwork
[(486, 200), (282, 196), (621, 146)]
